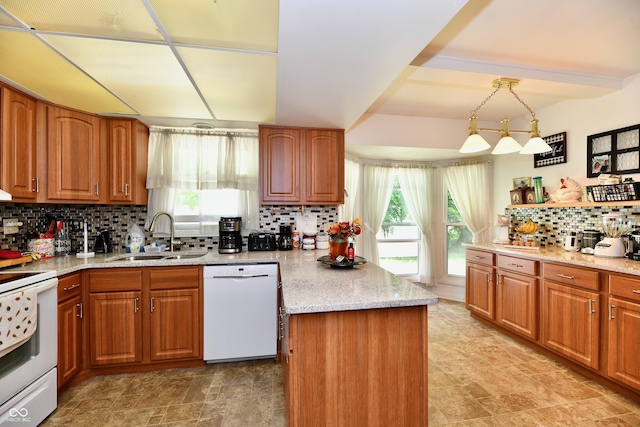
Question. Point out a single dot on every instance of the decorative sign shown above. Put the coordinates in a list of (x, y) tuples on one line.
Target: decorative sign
[(558, 153)]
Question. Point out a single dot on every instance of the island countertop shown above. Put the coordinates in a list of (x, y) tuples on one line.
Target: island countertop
[(307, 285)]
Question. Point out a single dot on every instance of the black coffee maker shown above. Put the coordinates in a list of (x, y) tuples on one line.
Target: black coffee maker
[(284, 240), (230, 239), (103, 245)]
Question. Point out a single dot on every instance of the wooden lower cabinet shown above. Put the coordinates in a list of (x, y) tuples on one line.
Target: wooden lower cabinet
[(145, 315), (70, 318), (115, 327), (363, 367), (571, 322), (517, 303), (481, 290)]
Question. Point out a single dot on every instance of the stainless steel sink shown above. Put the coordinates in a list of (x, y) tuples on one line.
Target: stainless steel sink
[(160, 256)]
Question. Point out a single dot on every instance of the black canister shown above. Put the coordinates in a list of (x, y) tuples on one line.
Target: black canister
[(590, 239)]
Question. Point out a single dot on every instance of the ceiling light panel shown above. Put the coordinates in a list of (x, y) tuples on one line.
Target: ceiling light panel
[(237, 86), (236, 24), (25, 60), (6, 21), (127, 19), (147, 76)]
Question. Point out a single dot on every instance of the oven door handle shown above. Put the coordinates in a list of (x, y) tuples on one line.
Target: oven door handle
[(252, 276)]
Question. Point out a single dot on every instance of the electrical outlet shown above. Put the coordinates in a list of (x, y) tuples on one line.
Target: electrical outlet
[(11, 225)]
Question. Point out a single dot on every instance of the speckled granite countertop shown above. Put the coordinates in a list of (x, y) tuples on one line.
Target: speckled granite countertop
[(618, 265), (307, 286)]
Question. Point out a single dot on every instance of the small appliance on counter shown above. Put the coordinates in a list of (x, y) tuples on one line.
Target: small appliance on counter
[(590, 239), (103, 245), (573, 241), (261, 241), (285, 243), (633, 245), (614, 226), (230, 239)]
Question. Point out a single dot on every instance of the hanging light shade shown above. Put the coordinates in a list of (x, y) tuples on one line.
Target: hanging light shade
[(506, 144), (476, 143)]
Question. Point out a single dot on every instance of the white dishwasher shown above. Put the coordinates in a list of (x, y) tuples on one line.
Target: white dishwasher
[(240, 312)]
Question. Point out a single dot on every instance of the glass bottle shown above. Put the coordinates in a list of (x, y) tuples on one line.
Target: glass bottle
[(537, 186)]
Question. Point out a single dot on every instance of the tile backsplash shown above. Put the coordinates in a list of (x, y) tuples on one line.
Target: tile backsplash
[(554, 222), (117, 219)]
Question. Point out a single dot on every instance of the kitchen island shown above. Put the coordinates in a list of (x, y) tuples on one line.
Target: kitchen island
[(353, 342)]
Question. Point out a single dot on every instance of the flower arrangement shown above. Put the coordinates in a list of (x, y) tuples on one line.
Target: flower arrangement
[(345, 229)]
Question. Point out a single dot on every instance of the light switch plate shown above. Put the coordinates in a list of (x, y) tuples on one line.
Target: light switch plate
[(11, 225)]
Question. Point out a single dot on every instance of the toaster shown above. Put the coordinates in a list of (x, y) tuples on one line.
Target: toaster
[(261, 242)]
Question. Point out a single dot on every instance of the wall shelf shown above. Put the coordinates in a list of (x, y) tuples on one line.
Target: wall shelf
[(574, 205)]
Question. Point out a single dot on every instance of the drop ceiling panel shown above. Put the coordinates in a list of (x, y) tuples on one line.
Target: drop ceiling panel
[(111, 18), (29, 63), (236, 86), (147, 76), (238, 24)]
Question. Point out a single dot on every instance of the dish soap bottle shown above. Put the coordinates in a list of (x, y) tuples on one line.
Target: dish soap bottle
[(134, 241), (351, 253)]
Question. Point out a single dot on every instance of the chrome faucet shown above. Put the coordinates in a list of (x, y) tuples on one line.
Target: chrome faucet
[(172, 242)]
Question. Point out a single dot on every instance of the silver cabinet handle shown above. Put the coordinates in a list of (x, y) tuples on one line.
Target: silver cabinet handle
[(35, 188), (611, 307), (97, 188), (515, 265), (636, 291), (152, 307), (126, 189), (80, 314), (479, 257), (135, 305), (489, 279), (591, 310), (565, 276), (71, 287)]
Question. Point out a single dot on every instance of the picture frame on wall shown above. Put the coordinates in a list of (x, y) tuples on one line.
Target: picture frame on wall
[(523, 182), (614, 152), (558, 153)]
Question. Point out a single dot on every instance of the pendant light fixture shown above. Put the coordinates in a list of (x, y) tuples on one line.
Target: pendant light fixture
[(476, 143)]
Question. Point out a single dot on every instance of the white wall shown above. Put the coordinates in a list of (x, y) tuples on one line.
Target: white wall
[(579, 118)]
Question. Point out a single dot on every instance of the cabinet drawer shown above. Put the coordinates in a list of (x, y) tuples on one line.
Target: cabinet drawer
[(481, 257), (624, 287), (174, 277), (69, 286), (521, 265), (575, 276), (121, 279)]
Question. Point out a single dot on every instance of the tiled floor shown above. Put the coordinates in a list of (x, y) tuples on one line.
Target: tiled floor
[(477, 377)]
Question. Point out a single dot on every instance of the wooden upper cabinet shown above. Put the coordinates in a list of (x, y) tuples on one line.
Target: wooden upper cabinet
[(301, 165), (74, 149), (19, 145), (127, 148)]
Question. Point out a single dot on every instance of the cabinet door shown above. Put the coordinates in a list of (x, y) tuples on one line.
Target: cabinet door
[(73, 155), (624, 342), (324, 166), (115, 323), (120, 160), (517, 303), (127, 147), (570, 322), (19, 145), (69, 339), (175, 324), (280, 151), (481, 292)]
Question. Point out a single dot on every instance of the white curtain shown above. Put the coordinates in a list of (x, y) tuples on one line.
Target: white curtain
[(202, 160), (469, 188), (351, 182), (378, 184), (417, 186)]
